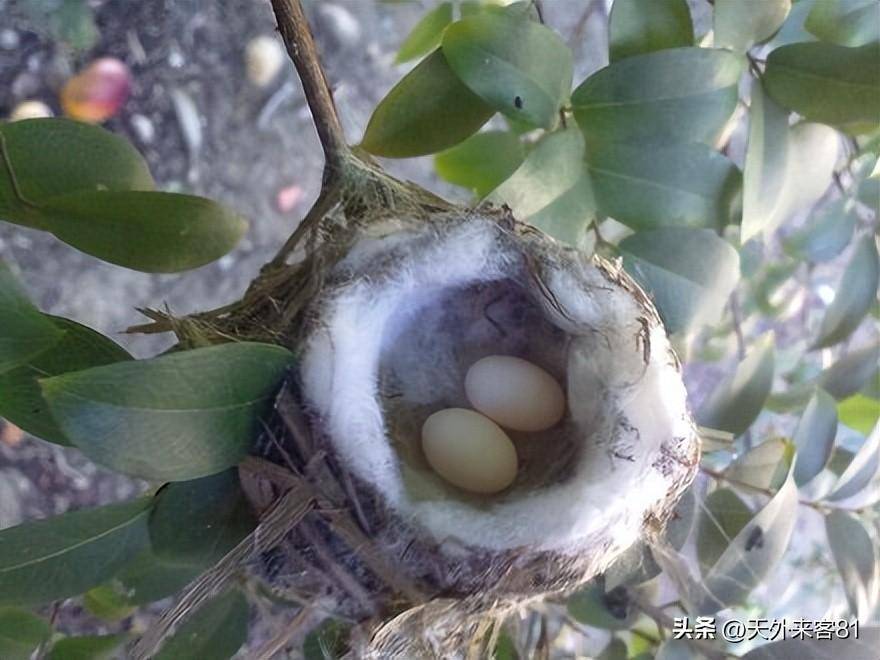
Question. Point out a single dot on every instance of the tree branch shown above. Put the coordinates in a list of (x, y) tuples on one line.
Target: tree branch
[(297, 37)]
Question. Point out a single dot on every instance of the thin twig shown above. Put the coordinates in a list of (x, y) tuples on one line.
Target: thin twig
[(297, 37)]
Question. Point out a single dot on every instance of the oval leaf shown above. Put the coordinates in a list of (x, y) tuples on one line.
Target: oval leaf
[(520, 68), (197, 522), (737, 401), (482, 161), (21, 633), (643, 26), (53, 157), (845, 22), (153, 232), (643, 187), (825, 234), (851, 372), (24, 331), (426, 34), (859, 413), (610, 611), (827, 83), (66, 555), (765, 466), (856, 559), (146, 579), (21, 400), (215, 631), (428, 111), (689, 273), (88, 647), (863, 647), (855, 294), (176, 417), (740, 24), (681, 94), (862, 469), (814, 436), (722, 515)]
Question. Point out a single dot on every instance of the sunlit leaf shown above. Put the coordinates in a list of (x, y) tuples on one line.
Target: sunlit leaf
[(197, 522), (825, 234), (814, 436), (863, 647), (428, 111), (764, 466), (862, 469), (854, 295), (24, 331), (859, 412), (107, 603), (21, 633), (689, 273), (88, 647), (425, 36), (54, 157), (154, 232), (722, 515), (21, 400), (754, 552), (845, 22), (66, 555), (740, 24), (828, 83), (856, 558), (737, 401), (176, 417), (482, 161), (647, 187), (520, 68), (217, 630), (681, 94), (643, 26)]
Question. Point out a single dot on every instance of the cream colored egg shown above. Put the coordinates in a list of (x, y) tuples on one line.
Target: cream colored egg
[(469, 450), (515, 393)]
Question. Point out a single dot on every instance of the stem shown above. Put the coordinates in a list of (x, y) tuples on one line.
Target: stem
[(300, 45)]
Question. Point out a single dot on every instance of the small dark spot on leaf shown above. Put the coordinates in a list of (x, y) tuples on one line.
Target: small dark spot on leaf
[(518, 102), (755, 540), (617, 602)]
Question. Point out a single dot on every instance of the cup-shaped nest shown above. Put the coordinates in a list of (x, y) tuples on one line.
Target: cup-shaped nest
[(387, 342)]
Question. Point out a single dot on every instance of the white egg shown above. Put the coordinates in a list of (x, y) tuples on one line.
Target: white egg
[(469, 450), (515, 393)]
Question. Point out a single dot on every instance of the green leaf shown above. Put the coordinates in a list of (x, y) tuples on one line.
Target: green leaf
[(850, 373), (594, 607), (845, 22), (107, 603), (856, 559), (21, 400), (765, 466), (689, 273), (825, 234), (66, 555), (197, 522), (827, 83), (215, 631), (153, 232), (24, 331), (814, 436), (482, 161), (738, 399), (520, 68), (21, 633), (643, 26), (146, 579), (753, 553), (859, 412), (863, 647), (328, 641), (567, 217), (428, 111), (426, 34), (677, 649), (722, 515), (861, 470), (88, 647), (53, 157), (681, 94), (687, 185), (616, 650), (176, 417), (740, 24), (854, 295)]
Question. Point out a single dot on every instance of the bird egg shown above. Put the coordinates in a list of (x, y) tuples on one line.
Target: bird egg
[(515, 393), (469, 450)]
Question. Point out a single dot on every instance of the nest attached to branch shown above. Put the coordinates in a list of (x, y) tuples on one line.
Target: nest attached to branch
[(395, 295)]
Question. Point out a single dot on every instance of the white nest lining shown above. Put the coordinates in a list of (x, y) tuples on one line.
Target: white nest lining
[(627, 409)]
